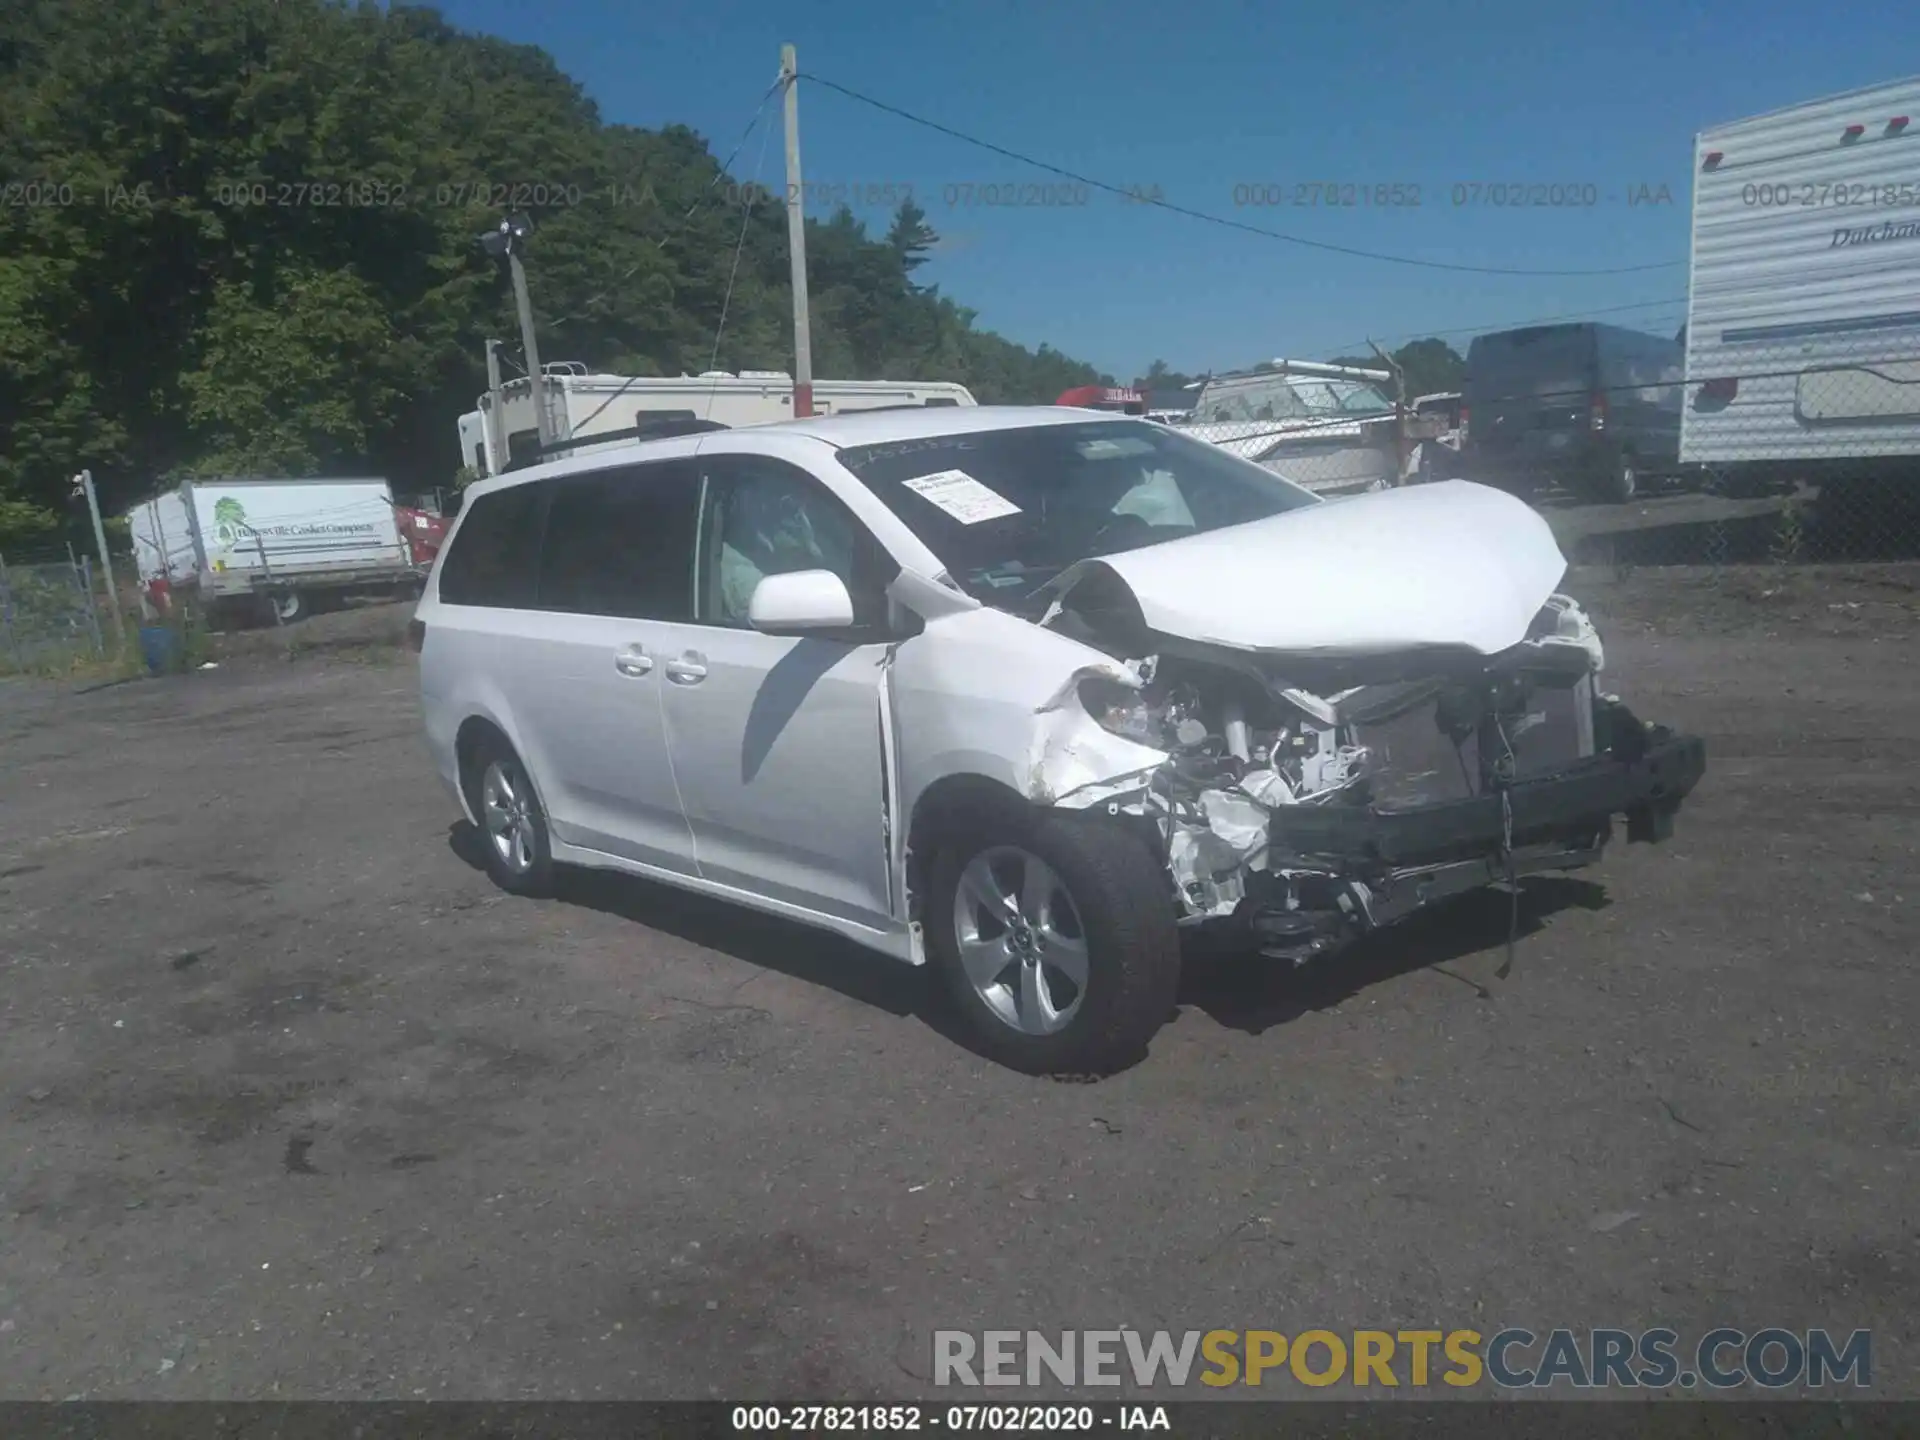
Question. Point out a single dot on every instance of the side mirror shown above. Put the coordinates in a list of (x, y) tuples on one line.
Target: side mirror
[(799, 602)]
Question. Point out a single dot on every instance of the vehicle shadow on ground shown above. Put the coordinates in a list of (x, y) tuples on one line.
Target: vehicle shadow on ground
[(1245, 992), (766, 941), (1237, 989)]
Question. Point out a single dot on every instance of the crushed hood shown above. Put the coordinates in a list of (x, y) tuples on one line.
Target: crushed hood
[(1449, 565)]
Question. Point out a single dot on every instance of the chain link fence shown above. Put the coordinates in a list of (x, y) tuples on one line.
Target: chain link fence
[(49, 613), (1776, 461)]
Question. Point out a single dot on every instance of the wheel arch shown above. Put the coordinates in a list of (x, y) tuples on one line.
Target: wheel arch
[(472, 733), (950, 801)]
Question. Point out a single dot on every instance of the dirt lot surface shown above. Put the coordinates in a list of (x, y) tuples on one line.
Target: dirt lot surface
[(293, 1104)]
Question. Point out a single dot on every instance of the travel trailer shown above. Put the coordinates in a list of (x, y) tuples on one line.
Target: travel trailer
[(620, 409), (1803, 327)]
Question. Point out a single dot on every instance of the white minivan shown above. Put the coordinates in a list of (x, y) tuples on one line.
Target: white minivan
[(1020, 693)]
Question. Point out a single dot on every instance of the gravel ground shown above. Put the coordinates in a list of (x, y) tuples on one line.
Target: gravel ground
[(293, 1104)]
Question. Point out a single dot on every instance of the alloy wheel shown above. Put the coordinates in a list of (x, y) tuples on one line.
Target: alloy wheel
[(1020, 940), (505, 803)]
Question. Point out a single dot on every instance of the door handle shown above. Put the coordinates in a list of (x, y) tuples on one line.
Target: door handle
[(689, 669), (633, 661)]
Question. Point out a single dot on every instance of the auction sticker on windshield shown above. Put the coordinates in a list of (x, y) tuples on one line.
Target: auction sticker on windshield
[(962, 496)]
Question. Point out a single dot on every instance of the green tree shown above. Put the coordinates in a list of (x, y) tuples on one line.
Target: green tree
[(1428, 365), (272, 263), (911, 238), (1160, 377)]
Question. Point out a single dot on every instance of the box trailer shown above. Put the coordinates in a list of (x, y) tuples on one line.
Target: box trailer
[(1803, 313), (624, 408), (287, 542)]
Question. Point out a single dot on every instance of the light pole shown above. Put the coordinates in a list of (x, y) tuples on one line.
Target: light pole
[(83, 485), (505, 243)]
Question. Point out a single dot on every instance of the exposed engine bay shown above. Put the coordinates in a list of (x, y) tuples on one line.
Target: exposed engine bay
[(1315, 798)]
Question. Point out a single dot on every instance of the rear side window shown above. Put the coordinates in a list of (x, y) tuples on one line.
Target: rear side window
[(496, 552), (621, 542)]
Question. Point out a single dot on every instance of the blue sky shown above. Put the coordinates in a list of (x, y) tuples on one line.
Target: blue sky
[(1223, 105)]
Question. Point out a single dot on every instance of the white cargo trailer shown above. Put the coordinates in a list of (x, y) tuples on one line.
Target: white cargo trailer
[(1803, 319), (623, 408), (290, 542)]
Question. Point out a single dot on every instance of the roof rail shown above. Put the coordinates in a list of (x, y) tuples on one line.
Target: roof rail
[(660, 430)]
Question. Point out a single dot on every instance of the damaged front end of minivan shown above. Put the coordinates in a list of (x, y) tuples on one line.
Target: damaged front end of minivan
[(1313, 795)]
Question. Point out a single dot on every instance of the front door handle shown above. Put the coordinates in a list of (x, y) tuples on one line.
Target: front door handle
[(633, 661), (689, 669)]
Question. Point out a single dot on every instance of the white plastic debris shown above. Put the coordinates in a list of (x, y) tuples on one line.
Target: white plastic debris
[(1269, 787), (1236, 819)]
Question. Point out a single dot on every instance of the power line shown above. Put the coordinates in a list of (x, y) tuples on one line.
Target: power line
[(748, 196), (726, 301), (700, 202), (1211, 219)]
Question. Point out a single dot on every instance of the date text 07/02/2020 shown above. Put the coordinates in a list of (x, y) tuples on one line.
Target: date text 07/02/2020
[(956, 1419)]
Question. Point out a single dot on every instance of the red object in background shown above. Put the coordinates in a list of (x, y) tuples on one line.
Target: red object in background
[(1105, 397), (425, 533), (160, 592)]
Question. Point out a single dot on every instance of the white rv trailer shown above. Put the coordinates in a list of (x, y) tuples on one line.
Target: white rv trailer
[(1803, 316), (586, 405)]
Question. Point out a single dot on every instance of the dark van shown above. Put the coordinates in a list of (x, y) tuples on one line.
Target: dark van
[(1593, 408)]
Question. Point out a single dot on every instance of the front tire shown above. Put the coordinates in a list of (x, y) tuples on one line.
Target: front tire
[(1056, 938), (513, 823)]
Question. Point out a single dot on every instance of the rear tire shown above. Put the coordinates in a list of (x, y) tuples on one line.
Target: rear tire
[(1055, 935), (513, 822)]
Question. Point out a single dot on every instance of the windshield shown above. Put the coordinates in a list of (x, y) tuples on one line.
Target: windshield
[(1007, 510), (1289, 397)]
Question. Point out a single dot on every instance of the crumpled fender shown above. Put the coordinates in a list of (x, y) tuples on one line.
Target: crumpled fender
[(985, 693)]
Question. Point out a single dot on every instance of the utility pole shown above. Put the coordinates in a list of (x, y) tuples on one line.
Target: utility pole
[(797, 241), (506, 243), (496, 419), (542, 415), (83, 485)]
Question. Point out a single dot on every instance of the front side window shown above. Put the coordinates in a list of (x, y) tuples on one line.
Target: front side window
[(765, 517), (1007, 510), (621, 542), (495, 553)]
